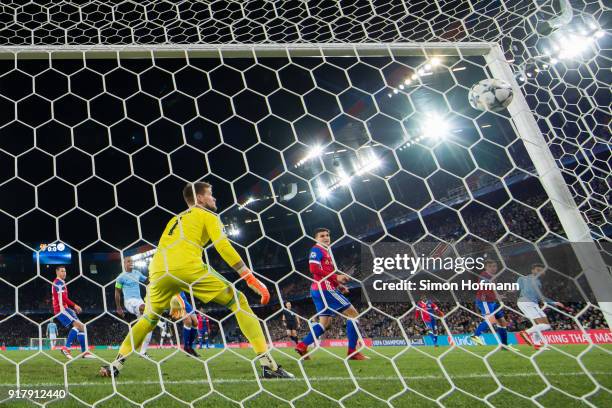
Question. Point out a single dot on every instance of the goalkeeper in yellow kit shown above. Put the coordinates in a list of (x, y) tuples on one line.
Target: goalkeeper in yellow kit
[(177, 266)]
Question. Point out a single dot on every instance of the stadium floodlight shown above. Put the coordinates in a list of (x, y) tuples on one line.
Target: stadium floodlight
[(322, 189), (573, 46), (313, 153), (246, 203), (435, 126), (435, 61), (345, 179), (140, 264)]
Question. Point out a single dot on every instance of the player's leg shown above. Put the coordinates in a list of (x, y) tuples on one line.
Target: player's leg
[(82, 338), (163, 286), (485, 324), (316, 330), (431, 326), (293, 336), (534, 313), (185, 318), (65, 319), (200, 339), (147, 339), (194, 329), (352, 331), (212, 287), (541, 324)]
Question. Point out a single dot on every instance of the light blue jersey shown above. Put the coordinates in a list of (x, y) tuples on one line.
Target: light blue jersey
[(129, 283), (531, 290), (51, 329)]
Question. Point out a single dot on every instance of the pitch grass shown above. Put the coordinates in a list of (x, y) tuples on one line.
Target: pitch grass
[(455, 377)]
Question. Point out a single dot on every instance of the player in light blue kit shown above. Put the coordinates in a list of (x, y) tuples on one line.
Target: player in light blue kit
[(129, 282), (52, 334), (529, 303)]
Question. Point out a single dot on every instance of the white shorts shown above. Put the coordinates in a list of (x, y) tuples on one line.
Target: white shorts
[(133, 306), (52, 336), (531, 310)]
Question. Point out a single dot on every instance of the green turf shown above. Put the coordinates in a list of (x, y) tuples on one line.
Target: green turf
[(402, 376)]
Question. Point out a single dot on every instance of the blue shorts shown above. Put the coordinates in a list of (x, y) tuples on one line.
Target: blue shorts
[(202, 332), (188, 308), (329, 301), (67, 317), (431, 325), (487, 308)]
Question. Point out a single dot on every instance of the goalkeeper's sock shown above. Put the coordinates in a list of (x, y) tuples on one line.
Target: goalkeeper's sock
[(186, 336), (145, 343), (503, 335), (351, 333), (249, 325), (318, 330), (72, 335), (138, 332), (482, 327), (82, 342), (118, 363)]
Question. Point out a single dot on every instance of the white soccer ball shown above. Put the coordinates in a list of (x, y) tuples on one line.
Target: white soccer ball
[(491, 95)]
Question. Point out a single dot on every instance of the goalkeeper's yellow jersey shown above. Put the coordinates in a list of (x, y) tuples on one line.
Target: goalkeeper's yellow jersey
[(185, 237)]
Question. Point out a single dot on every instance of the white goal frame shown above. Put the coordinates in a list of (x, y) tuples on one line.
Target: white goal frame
[(591, 261), (37, 343)]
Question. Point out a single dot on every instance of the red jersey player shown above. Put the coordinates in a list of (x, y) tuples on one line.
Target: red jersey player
[(64, 310), (327, 297), (486, 301), (426, 310), (203, 328)]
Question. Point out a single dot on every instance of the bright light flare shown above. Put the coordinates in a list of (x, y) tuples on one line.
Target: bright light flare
[(140, 264), (435, 126), (313, 153), (574, 46), (323, 190)]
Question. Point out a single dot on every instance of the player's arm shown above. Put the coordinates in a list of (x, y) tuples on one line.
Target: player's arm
[(143, 278), (68, 302), (437, 310), (118, 288), (232, 258)]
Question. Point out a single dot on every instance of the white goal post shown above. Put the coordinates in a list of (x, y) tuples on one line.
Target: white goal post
[(36, 343)]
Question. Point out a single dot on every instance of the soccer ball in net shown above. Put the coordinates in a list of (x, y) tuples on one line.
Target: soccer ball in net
[(491, 95)]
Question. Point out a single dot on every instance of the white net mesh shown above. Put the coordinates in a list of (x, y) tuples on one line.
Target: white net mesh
[(303, 115)]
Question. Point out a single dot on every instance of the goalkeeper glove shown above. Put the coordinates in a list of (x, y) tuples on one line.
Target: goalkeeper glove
[(177, 309), (256, 285)]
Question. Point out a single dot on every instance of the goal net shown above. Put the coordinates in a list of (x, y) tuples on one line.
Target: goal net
[(46, 343), (351, 116)]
